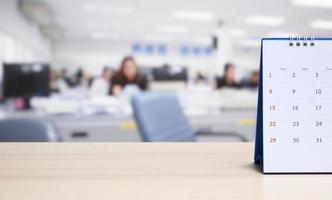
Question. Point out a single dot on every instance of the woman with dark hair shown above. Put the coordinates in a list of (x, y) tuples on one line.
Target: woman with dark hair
[(228, 80), (128, 74)]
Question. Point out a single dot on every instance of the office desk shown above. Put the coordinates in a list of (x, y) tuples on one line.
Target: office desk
[(104, 171), (225, 111), (121, 128)]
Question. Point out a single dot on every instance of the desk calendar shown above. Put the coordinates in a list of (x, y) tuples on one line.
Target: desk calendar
[(294, 120)]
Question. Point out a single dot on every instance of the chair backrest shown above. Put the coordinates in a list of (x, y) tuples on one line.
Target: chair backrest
[(160, 118), (28, 130)]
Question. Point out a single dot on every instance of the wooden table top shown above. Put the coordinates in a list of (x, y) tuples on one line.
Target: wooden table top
[(100, 171)]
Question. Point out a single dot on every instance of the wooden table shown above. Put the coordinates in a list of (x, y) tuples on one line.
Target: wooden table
[(100, 171)]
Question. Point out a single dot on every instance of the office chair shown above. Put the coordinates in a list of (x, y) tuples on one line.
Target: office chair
[(28, 130), (160, 118)]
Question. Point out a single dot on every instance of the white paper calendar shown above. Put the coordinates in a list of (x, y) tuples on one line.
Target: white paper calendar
[(294, 121)]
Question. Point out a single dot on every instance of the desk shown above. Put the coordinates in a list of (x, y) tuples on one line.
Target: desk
[(226, 111), (121, 128), (104, 171)]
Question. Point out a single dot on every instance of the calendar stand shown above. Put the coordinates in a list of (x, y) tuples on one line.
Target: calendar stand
[(294, 109), (258, 157)]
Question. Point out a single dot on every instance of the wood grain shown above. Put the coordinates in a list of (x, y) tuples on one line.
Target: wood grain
[(79, 171)]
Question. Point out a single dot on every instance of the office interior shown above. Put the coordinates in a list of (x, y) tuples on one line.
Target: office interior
[(140, 70)]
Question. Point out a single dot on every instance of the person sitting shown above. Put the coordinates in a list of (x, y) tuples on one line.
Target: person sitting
[(128, 74), (83, 79), (64, 76), (101, 86), (252, 82), (200, 78), (228, 80), (54, 84), (57, 85)]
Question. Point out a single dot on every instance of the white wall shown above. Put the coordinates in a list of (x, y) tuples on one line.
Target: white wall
[(14, 25)]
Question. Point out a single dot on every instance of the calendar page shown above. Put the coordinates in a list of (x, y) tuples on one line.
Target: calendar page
[(297, 106)]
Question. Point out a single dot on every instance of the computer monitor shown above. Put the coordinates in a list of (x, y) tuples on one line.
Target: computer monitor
[(25, 80), (166, 74)]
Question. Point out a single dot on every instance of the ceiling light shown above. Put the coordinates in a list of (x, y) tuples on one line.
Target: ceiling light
[(173, 29), (97, 25), (158, 38), (237, 32), (314, 3), (203, 40), (280, 34), (121, 10), (321, 24), (265, 20), (250, 43), (193, 15), (102, 35)]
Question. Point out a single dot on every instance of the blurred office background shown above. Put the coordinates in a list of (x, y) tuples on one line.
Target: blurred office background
[(140, 70)]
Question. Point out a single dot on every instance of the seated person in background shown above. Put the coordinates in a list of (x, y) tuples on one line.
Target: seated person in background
[(200, 78), (57, 85), (83, 79), (54, 84), (66, 78), (101, 85), (253, 80), (228, 80), (128, 74)]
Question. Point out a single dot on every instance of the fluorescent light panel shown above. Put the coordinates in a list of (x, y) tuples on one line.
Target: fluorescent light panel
[(203, 40), (314, 3), (321, 24), (173, 29), (281, 34), (265, 20), (237, 32), (99, 35), (250, 43), (158, 38), (121, 10), (193, 15), (94, 24)]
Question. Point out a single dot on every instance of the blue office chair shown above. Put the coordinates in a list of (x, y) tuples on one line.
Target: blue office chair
[(160, 118), (28, 130)]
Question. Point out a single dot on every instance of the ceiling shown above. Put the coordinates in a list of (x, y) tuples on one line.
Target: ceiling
[(157, 21)]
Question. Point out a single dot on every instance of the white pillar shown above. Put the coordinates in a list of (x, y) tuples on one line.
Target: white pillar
[(223, 53)]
